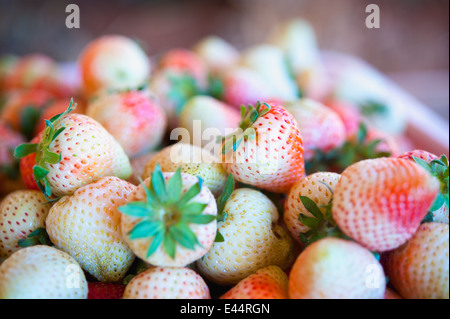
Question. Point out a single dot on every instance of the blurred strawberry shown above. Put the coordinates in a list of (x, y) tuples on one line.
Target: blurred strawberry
[(105, 290)]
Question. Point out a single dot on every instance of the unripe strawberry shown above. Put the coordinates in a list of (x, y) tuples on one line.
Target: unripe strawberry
[(21, 213), (334, 268), (192, 160), (267, 283), (252, 239), (170, 219), (167, 283), (380, 203), (42, 272), (419, 269), (86, 225)]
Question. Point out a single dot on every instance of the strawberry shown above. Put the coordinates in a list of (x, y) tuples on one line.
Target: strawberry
[(86, 225), (207, 118), (380, 203), (250, 239), (23, 108), (334, 268), (179, 75), (438, 167), (419, 269), (321, 128), (217, 53), (268, 62), (136, 121), (192, 160), (267, 149), (243, 86), (309, 202), (266, 283), (170, 219), (21, 213), (42, 272), (167, 283), (74, 150), (105, 290), (112, 62)]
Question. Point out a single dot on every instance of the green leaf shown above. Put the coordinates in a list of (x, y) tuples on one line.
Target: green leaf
[(136, 209), (158, 183), (37, 237), (311, 207), (174, 187), (51, 158), (438, 202), (39, 172), (310, 222), (156, 242), (184, 236), (199, 219), (226, 194), (150, 196), (193, 208), (25, 149), (146, 229), (189, 194), (362, 133), (219, 238), (169, 244), (423, 164)]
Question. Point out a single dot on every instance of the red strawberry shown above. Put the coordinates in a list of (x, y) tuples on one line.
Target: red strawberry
[(391, 294), (74, 150), (267, 149), (333, 268), (26, 166), (419, 269), (167, 283), (105, 290), (135, 120), (267, 283), (380, 203)]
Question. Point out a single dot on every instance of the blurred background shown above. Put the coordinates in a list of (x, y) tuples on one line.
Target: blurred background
[(411, 47)]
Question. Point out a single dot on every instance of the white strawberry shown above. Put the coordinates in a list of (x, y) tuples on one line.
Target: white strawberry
[(42, 272), (167, 283), (252, 239)]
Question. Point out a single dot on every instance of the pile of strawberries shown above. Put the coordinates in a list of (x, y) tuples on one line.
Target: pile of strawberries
[(211, 172)]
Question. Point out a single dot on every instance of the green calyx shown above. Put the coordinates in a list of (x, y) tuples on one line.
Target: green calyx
[(182, 88), (44, 156), (245, 131), (321, 224), (439, 169), (221, 202), (349, 153), (166, 214), (37, 237), (371, 108)]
